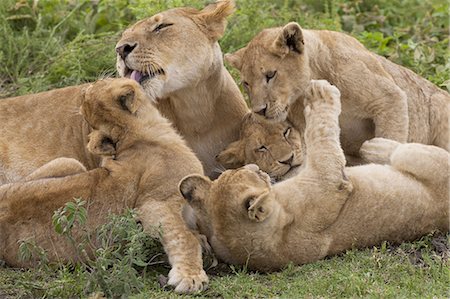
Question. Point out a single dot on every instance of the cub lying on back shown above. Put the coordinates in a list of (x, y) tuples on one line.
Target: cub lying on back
[(326, 208), (143, 161), (275, 147), (379, 97)]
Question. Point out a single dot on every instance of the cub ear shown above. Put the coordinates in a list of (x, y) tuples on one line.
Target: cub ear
[(213, 18), (235, 59), (129, 101), (101, 144), (195, 188), (259, 208), (232, 156), (290, 39)]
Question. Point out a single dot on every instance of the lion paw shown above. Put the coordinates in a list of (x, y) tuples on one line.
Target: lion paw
[(321, 93), (378, 150), (185, 281)]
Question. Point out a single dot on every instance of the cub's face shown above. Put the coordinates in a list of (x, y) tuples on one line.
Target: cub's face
[(111, 103), (173, 49), (275, 147), (274, 70), (230, 209)]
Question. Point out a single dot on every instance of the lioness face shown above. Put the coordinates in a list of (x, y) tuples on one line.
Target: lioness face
[(274, 70), (234, 206), (109, 104), (275, 147), (173, 49)]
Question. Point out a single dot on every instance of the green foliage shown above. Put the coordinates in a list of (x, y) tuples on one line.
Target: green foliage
[(121, 254)]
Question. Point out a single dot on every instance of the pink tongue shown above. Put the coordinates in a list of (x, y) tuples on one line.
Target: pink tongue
[(136, 75)]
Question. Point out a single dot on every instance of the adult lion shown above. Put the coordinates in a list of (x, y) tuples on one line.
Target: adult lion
[(143, 161), (379, 98), (176, 58), (326, 208)]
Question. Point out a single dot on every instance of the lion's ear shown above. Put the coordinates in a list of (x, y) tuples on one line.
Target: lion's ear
[(101, 144), (213, 17), (290, 39), (232, 156), (259, 208), (195, 188), (235, 59), (129, 101)]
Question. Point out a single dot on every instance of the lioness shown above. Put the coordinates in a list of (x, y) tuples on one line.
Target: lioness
[(143, 161), (176, 58), (275, 147), (326, 208), (379, 98)]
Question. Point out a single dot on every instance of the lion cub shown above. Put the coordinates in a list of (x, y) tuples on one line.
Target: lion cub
[(326, 208), (379, 97), (275, 147), (143, 161)]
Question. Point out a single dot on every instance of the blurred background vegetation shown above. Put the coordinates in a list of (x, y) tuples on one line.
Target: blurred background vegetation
[(53, 43)]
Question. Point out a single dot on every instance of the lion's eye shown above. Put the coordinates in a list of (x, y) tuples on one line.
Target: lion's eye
[(161, 26), (287, 132), (262, 149), (270, 75)]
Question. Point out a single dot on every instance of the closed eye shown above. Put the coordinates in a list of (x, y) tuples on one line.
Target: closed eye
[(270, 75), (261, 149), (161, 26), (287, 132)]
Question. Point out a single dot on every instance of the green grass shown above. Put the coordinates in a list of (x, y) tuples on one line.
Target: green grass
[(412, 270), (59, 43)]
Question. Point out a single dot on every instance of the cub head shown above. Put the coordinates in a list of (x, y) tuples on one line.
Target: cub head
[(275, 147), (232, 210), (112, 105), (274, 70), (173, 49)]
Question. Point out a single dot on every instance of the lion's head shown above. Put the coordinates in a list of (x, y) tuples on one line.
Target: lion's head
[(173, 49), (233, 210), (275, 147), (111, 106), (274, 70)]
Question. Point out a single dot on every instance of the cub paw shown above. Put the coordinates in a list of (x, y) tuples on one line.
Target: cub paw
[(187, 281), (101, 144), (322, 93), (378, 150)]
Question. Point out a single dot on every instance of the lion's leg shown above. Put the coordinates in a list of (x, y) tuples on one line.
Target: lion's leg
[(325, 159), (324, 154), (440, 120), (378, 150), (180, 243), (425, 162), (379, 98), (59, 167)]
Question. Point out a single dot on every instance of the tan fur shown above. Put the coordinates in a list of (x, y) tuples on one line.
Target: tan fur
[(143, 160), (275, 147), (379, 98), (325, 209), (195, 92), (192, 87)]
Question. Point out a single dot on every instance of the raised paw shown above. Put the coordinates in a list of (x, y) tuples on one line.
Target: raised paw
[(378, 150), (321, 93), (187, 280)]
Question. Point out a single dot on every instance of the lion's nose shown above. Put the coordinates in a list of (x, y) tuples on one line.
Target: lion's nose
[(125, 49), (288, 161)]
